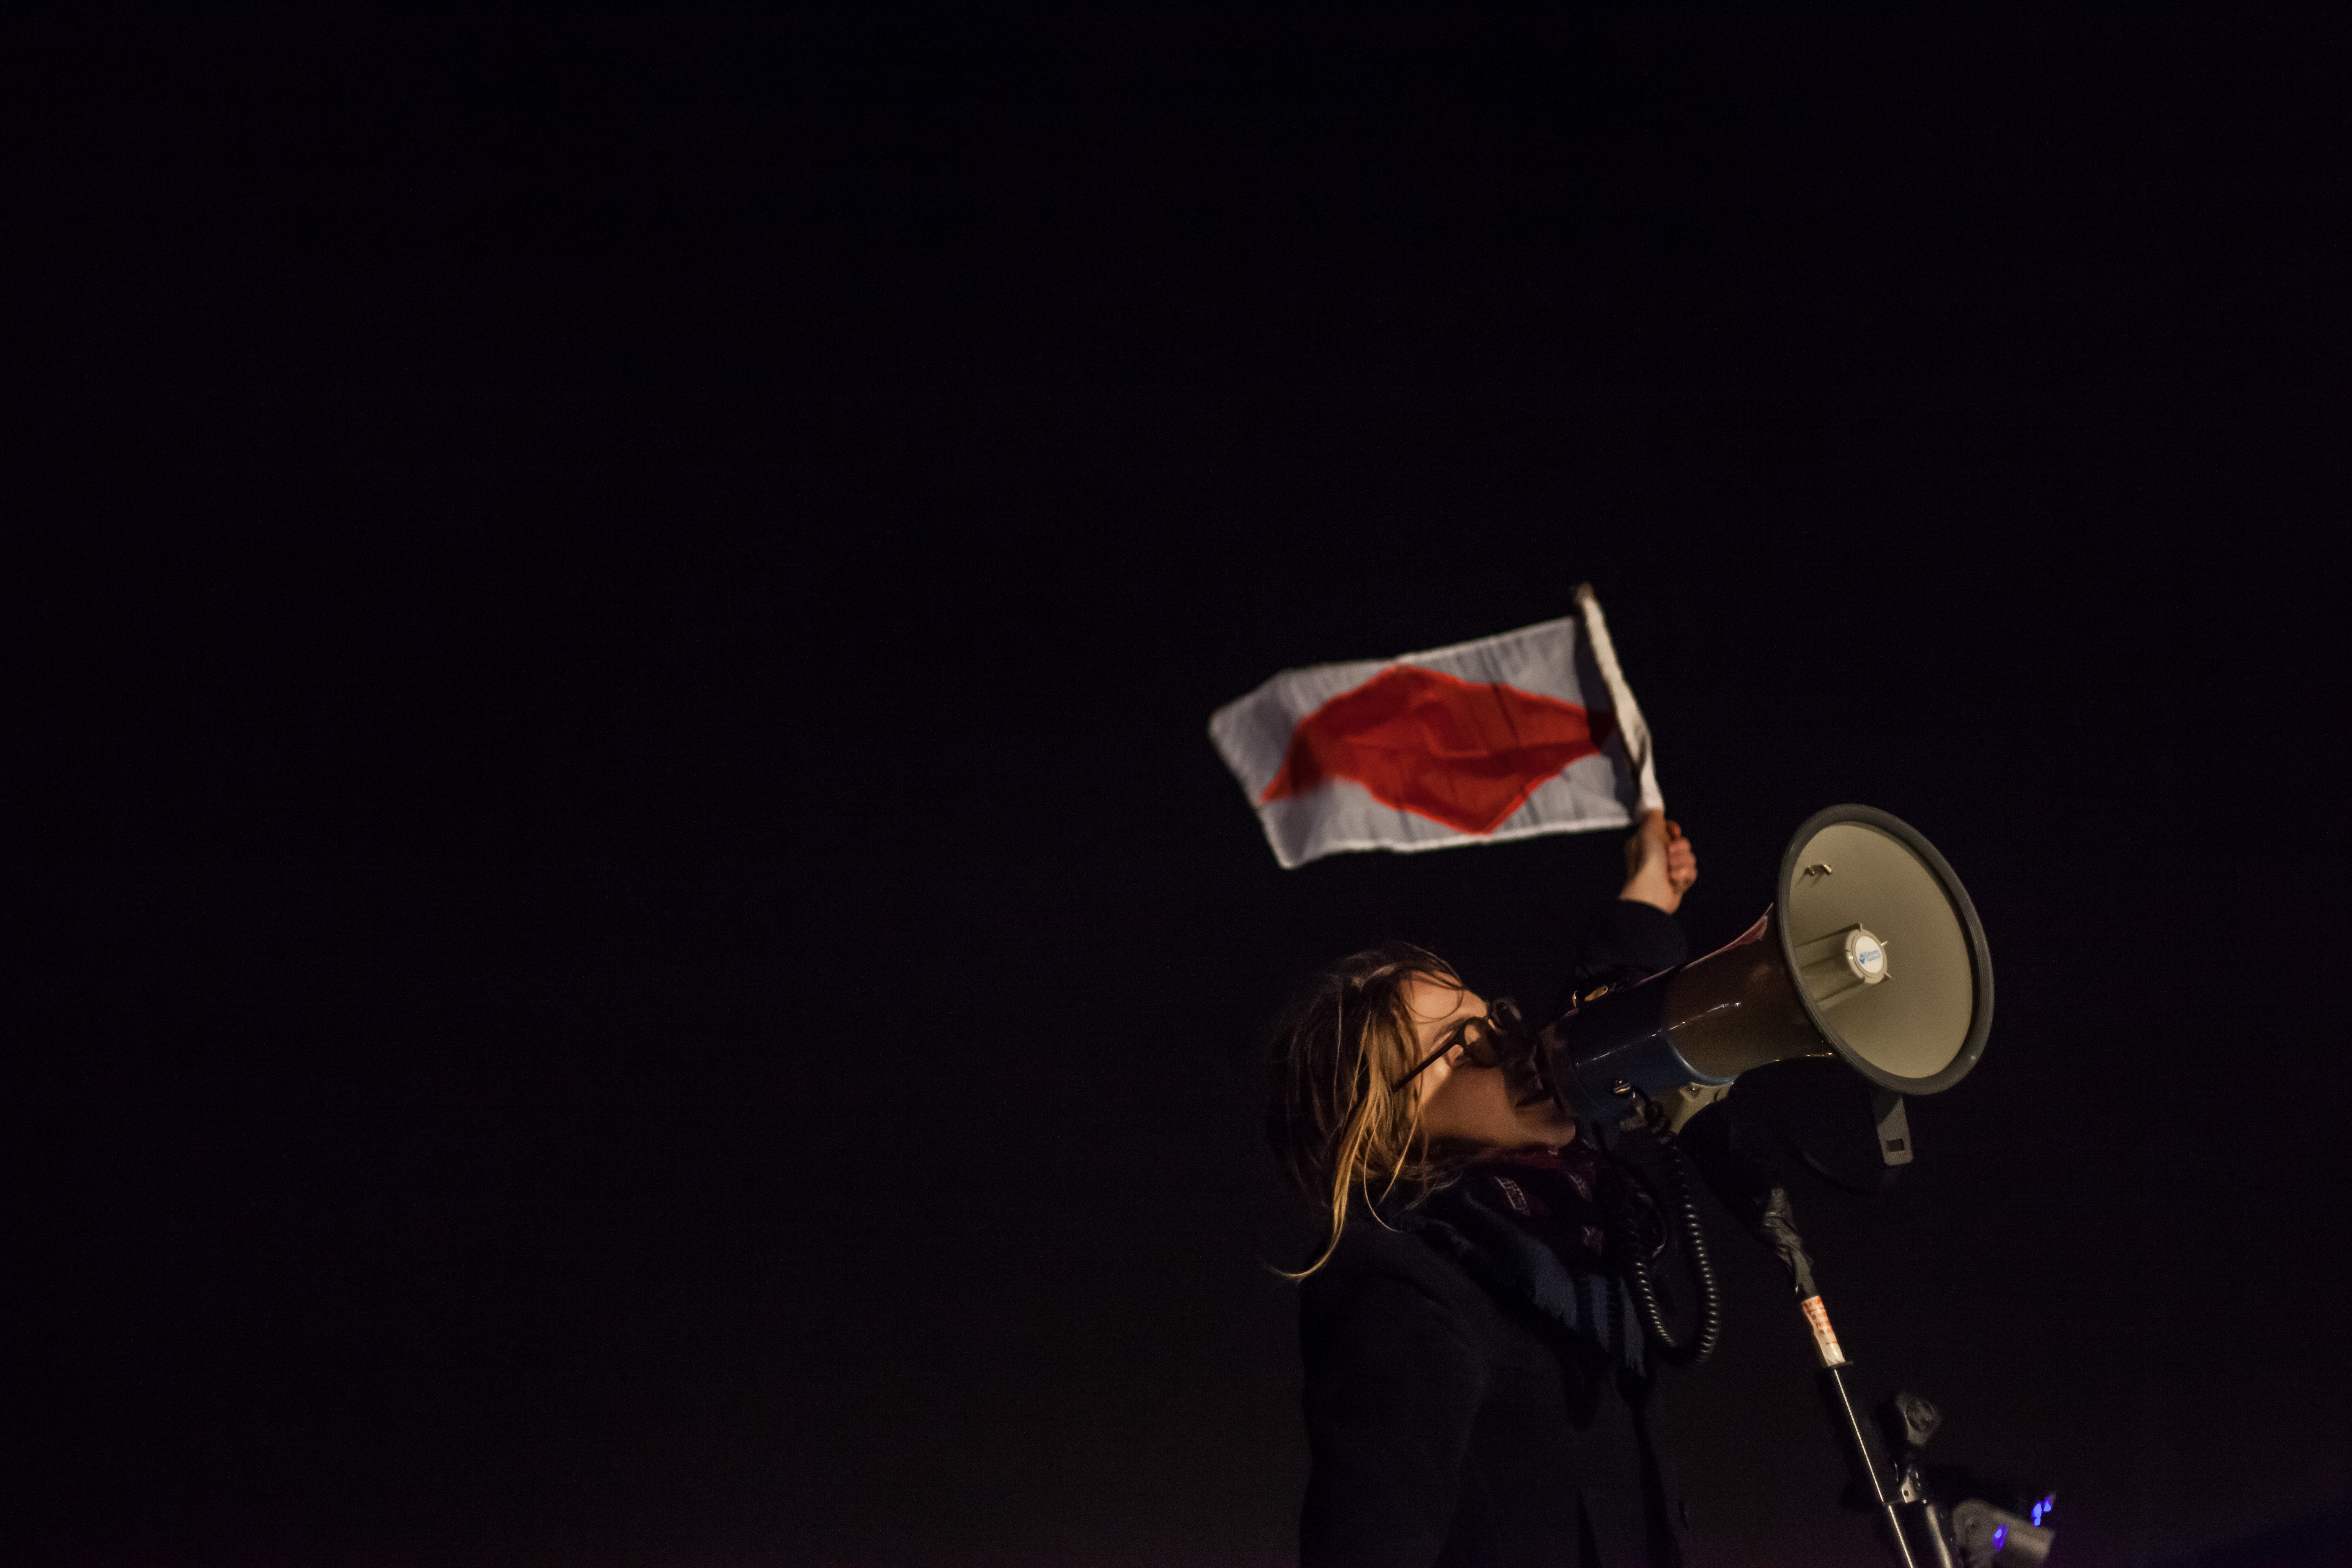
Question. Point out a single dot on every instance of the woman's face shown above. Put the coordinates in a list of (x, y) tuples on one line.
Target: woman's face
[(1464, 1103)]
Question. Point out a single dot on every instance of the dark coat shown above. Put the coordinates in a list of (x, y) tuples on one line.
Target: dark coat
[(1470, 1400)]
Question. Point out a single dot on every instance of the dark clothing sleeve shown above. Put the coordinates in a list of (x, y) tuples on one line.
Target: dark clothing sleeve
[(1627, 941), (1393, 1386)]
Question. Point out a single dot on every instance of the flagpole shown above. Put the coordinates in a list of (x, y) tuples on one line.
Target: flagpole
[(1630, 726)]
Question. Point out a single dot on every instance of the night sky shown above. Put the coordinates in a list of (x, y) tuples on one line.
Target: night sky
[(623, 940)]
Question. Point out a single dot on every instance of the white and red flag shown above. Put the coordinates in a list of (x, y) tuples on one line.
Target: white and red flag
[(1531, 731)]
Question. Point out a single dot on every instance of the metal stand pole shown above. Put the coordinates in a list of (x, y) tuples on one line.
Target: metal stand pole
[(1919, 1531), (1915, 1536)]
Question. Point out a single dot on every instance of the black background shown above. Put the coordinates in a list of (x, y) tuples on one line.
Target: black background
[(624, 942)]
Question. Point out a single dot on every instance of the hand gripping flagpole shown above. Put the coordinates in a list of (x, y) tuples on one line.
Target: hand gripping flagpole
[(1631, 730)]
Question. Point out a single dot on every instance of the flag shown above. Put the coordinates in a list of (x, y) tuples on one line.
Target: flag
[(1531, 731)]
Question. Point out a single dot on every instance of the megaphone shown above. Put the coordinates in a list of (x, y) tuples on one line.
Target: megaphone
[(1870, 952)]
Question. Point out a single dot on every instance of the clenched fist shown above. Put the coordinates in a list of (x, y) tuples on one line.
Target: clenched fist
[(1660, 864)]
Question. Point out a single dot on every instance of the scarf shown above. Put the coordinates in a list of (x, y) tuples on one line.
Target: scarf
[(1537, 1227)]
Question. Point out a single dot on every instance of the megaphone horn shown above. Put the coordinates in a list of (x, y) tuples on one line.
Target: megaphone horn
[(1870, 951)]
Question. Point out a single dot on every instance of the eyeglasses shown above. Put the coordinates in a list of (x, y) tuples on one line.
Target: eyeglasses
[(1484, 1042)]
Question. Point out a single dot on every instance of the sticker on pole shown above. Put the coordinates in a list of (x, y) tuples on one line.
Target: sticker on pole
[(1824, 1337)]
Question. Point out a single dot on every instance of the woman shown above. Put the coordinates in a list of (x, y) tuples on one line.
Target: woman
[(1477, 1390)]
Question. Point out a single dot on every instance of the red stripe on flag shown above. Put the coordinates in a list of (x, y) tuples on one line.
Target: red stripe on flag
[(1458, 753)]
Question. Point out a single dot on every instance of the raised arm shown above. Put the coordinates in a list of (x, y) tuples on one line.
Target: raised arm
[(1636, 935)]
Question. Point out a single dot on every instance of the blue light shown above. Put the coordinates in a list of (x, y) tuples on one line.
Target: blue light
[(2000, 1537), (2037, 1514)]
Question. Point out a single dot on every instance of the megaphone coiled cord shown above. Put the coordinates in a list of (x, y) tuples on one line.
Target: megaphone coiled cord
[(1709, 1328)]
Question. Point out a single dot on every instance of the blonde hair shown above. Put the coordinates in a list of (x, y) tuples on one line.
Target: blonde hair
[(1337, 1122)]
